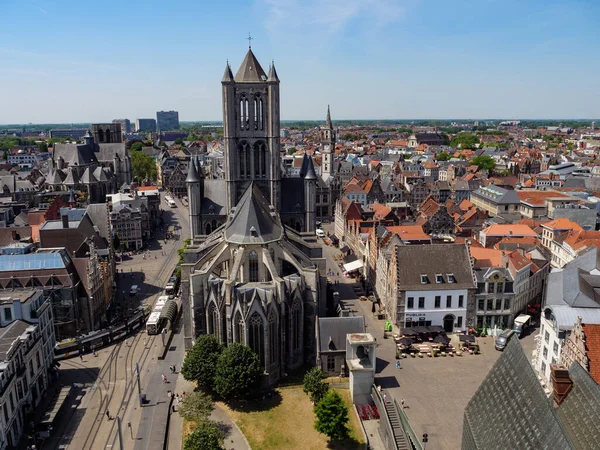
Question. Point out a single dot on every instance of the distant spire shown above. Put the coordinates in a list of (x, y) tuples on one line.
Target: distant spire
[(328, 120)]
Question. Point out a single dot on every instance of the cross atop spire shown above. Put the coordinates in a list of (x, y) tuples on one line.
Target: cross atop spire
[(249, 41)]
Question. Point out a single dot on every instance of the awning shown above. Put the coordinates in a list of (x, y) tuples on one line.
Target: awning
[(169, 311), (345, 249), (55, 406), (349, 258), (354, 265)]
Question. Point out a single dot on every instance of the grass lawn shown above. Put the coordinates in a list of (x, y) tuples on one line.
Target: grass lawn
[(287, 421)]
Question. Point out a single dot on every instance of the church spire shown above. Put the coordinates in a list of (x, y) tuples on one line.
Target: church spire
[(228, 76), (328, 120), (273, 74)]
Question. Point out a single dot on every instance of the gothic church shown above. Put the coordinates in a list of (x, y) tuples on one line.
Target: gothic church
[(253, 273)]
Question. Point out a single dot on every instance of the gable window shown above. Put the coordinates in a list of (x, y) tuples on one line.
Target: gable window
[(330, 363), (490, 304), (424, 279), (500, 287), (507, 303), (481, 305), (451, 278), (439, 278)]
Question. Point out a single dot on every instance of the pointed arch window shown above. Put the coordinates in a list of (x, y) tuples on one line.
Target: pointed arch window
[(273, 338), (239, 329), (244, 151), (295, 324), (256, 119), (253, 267), (256, 337), (261, 114), (244, 117), (213, 320)]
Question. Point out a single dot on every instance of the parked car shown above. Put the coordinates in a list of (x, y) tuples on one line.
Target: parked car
[(133, 290), (503, 339)]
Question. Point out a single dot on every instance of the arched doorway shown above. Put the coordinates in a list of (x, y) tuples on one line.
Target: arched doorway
[(449, 323)]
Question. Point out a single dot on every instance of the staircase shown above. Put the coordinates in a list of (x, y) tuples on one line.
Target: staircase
[(399, 436)]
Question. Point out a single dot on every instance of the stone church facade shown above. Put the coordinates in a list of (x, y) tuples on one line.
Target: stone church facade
[(253, 273)]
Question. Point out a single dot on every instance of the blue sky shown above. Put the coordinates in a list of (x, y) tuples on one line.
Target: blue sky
[(83, 61)]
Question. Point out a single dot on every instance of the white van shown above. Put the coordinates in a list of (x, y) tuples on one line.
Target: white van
[(320, 233), (133, 290)]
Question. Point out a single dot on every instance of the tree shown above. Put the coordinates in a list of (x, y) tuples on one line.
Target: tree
[(443, 156), (292, 150), (483, 162), (200, 362), (143, 165), (42, 147), (332, 416), (196, 406), (136, 146), (465, 140), (238, 369), (314, 385), (207, 436)]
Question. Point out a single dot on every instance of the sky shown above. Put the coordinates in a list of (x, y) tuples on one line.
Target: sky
[(64, 61)]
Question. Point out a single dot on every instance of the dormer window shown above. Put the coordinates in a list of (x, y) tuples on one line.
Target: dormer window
[(451, 278), (424, 279), (439, 279), (211, 209), (253, 232)]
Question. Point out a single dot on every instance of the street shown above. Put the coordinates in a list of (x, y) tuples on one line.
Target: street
[(108, 382)]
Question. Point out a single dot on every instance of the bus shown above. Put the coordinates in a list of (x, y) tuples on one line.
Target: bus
[(170, 201)]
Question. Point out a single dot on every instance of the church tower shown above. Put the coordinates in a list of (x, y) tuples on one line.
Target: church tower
[(251, 131), (328, 148)]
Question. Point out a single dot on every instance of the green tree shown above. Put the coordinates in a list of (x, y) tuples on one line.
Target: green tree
[(443, 156), (483, 162), (465, 140), (136, 146), (238, 369), (207, 436), (314, 385), (179, 141), (332, 416), (42, 147), (292, 150), (144, 166), (5, 155), (200, 363), (196, 406), (570, 146)]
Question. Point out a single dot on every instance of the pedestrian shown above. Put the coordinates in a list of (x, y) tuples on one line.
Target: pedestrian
[(384, 397), (174, 368), (397, 364), (81, 356), (183, 394), (402, 402), (94, 352), (164, 378), (107, 414)]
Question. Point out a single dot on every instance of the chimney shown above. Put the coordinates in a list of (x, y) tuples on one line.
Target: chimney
[(561, 382), (65, 221)]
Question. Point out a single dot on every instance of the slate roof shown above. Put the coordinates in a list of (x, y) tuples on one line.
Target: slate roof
[(510, 409), (9, 334), (98, 214), (250, 70), (563, 285), (579, 413), (333, 330), (253, 214), (292, 190), (107, 152), (88, 177), (415, 260), (498, 195), (74, 154), (215, 198)]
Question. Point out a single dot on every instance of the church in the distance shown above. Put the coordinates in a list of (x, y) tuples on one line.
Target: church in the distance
[(254, 271)]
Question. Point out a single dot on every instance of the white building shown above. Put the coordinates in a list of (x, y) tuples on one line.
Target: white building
[(435, 286), (567, 298), (26, 353)]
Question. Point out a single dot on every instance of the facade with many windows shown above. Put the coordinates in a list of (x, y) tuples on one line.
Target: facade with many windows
[(27, 351)]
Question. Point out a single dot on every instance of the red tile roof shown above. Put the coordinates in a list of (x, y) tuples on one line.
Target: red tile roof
[(592, 347)]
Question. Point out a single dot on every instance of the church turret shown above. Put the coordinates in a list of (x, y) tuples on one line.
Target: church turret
[(304, 167), (88, 139), (194, 188), (327, 147), (310, 196)]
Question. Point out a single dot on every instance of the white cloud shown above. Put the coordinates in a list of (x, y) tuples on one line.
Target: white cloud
[(329, 16)]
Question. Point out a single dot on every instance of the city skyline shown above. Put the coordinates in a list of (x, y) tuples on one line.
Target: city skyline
[(75, 62)]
